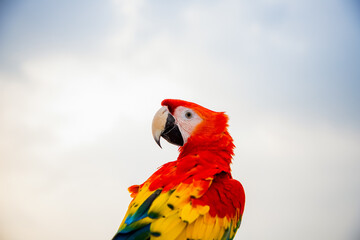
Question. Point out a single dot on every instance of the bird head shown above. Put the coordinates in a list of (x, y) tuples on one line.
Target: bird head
[(179, 121)]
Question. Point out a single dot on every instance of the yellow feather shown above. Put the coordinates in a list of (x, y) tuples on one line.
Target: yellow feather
[(174, 217), (139, 199), (127, 213), (136, 203), (199, 228), (208, 230), (183, 187), (209, 219), (143, 194), (203, 209), (226, 222), (189, 230), (218, 231), (182, 235), (178, 200), (197, 188), (169, 228), (220, 221), (189, 214), (159, 203)]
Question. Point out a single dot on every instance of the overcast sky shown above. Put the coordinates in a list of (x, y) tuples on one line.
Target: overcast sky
[(81, 80)]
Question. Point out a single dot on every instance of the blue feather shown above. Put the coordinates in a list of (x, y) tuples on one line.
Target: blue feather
[(132, 230), (138, 234), (142, 212)]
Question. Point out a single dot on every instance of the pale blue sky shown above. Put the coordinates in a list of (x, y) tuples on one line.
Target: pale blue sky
[(80, 82), (327, 33)]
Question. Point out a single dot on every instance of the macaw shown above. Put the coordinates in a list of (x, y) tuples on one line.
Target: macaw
[(194, 197)]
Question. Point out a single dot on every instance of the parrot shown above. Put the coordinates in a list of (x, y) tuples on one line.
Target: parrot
[(195, 196)]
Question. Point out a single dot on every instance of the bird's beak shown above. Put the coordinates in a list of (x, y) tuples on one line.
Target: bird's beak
[(164, 125)]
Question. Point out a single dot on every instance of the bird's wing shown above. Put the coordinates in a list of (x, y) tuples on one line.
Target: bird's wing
[(174, 214)]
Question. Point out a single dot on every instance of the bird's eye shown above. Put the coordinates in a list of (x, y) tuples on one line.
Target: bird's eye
[(188, 115)]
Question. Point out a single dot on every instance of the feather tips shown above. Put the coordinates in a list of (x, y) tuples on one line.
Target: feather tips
[(185, 212)]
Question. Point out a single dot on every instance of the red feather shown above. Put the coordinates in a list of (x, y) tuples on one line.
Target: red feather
[(206, 155), (202, 174)]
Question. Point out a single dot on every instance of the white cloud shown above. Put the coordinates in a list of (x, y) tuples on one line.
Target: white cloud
[(297, 174), (75, 126)]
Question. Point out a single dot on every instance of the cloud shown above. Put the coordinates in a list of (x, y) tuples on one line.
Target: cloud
[(75, 117), (297, 174)]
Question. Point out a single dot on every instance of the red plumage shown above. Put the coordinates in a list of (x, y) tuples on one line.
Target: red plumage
[(203, 168), (207, 154)]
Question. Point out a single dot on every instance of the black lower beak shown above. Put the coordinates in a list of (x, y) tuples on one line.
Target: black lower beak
[(172, 132)]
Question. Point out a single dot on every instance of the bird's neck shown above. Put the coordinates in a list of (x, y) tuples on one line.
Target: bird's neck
[(215, 151), (199, 158)]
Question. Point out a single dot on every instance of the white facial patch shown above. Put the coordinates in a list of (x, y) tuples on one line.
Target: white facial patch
[(187, 120)]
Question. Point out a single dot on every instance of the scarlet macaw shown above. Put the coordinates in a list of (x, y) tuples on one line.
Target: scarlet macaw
[(194, 197)]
